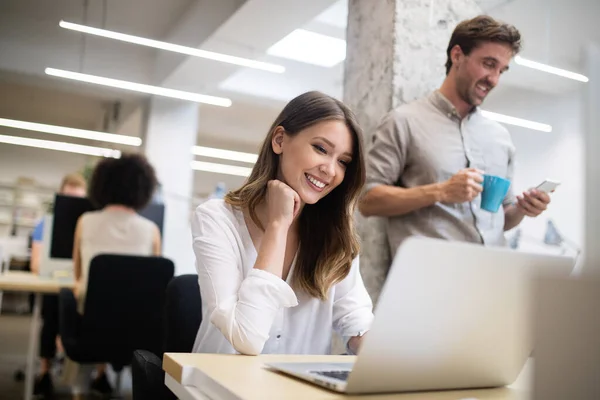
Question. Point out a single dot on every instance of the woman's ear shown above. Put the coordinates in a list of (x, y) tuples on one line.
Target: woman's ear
[(277, 140)]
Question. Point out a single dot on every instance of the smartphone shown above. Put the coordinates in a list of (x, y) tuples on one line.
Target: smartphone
[(548, 186)]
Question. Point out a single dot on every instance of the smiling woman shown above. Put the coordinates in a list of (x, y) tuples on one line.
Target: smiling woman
[(310, 148), (277, 260)]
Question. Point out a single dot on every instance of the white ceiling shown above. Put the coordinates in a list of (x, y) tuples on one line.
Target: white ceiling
[(299, 77), (548, 37), (554, 32), (149, 18), (31, 40), (336, 15)]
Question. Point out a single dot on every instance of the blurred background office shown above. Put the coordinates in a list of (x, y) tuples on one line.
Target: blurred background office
[(66, 102)]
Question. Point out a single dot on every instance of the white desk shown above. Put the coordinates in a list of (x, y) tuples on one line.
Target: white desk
[(31, 283), (245, 378)]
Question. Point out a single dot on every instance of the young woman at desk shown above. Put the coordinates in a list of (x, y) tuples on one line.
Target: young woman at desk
[(119, 187), (277, 260), (71, 185)]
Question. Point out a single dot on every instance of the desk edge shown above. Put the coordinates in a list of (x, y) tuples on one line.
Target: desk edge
[(172, 367)]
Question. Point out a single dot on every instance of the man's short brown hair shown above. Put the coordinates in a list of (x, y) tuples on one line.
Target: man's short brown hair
[(483, 28), (73, 180)]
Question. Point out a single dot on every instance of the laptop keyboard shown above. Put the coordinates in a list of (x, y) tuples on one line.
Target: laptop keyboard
[(341, 375)]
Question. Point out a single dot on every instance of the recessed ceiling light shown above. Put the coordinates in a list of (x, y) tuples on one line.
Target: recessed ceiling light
[(517, 121), (550, 69), (138, 87), (60, 146), (224, 154), (71, 132), (220, 168), (210, 55), (310, 47)]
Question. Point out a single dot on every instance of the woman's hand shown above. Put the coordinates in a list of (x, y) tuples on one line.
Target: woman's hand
[(283, 203), (355, 343)]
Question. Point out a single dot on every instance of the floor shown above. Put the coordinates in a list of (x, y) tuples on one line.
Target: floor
[(14, 334)]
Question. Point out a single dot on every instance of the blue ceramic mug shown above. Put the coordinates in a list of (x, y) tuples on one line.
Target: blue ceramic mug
[(494, 191)]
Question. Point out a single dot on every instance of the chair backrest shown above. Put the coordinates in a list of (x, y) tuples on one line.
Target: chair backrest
[(124, 302), (183, 314)]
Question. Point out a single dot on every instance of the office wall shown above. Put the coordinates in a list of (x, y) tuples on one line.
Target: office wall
[(557, 155), (50, 106), (45, 166), (44, 105), (29, 45)]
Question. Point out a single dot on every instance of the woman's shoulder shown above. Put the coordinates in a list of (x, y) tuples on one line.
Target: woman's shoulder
[(90, 216), (216, 212), (218, 208)]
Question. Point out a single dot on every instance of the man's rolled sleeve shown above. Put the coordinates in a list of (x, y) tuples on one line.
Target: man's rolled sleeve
[(387, 155)]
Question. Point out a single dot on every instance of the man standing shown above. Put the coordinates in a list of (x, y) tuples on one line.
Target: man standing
[(427, 159)]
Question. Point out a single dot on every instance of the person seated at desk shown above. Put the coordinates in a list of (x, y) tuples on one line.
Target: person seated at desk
[(119, 188), (277, 259), (71, 185)]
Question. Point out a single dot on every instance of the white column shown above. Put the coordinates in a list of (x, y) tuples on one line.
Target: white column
[(591, 105), (171, 130)]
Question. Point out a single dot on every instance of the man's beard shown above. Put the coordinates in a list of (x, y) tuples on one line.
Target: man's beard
[(467, 95)]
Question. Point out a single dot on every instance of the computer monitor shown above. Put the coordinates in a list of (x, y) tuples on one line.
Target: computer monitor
[(156, 213), (67, 211)]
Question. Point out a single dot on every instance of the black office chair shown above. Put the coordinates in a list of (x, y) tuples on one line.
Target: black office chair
[(123, 310), (183, 315)]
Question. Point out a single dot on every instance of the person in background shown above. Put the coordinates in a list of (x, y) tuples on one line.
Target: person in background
[(277, 259), (71, 185), (119, 188), (426, 162)]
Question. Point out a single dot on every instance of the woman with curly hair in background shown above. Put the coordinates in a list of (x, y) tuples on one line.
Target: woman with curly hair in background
[(119, 188)]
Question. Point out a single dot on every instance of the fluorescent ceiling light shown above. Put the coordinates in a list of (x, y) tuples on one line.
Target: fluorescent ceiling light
[(224, 154), (138, 87), (517, 121), (552, 70), (72, 132), (60, 146), (310, 47), (221, 168), (244, 62)]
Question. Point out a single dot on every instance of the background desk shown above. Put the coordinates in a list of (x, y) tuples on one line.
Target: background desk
[(31, 283), (245, 377)]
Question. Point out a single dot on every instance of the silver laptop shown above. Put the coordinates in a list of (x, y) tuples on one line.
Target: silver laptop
[(450, 316)]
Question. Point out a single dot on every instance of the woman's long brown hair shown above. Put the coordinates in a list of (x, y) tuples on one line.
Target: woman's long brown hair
[(328, 242)]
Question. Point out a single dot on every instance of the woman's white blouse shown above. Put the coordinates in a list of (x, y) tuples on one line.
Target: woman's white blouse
[(251, 311)]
